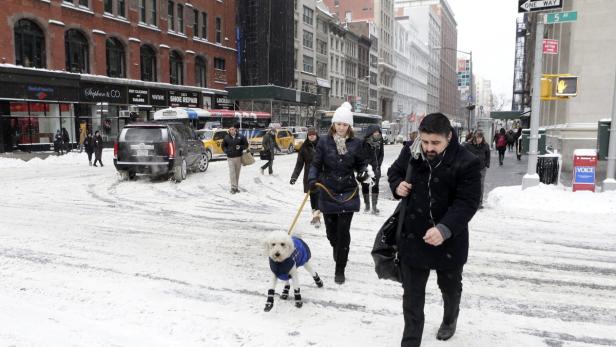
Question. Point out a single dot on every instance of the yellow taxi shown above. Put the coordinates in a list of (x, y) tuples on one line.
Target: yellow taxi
[(300, 138), (284, 139), (212, 140)]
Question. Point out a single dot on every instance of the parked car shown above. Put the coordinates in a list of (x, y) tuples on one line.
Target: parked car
[(300, 138), (159, 149), (212, 140), (284, 139)]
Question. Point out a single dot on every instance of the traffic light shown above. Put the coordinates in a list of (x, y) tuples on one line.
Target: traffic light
[(566, 85)]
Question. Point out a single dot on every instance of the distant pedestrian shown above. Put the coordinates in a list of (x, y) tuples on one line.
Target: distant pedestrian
[(233, 145), (270, 147), (82, 136), (304, 160), (66, 140), (58, 143), (98, 148), (480, 148), (88, 144), (510, 139), (500, 140), (412, 137), (374, 153)]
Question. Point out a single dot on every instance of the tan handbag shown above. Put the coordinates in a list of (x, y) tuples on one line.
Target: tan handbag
[(247, 159)]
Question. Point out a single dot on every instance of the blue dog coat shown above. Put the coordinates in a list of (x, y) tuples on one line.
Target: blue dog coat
[(299, 257)]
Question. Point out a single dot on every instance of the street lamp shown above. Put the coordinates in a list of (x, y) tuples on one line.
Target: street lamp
[(470, 107)]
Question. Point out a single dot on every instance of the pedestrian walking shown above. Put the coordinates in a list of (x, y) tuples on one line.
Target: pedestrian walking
[(510, 139), (338, 155), (233, 145), (374, 152), (269, 146), (58, 143), (500, 140), (83, 133), (66, 140), (480, 148), (304, 160), (88, 144), (444, 191), (98, 148)]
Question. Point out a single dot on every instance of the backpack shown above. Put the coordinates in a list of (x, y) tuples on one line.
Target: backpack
[(501, 141)]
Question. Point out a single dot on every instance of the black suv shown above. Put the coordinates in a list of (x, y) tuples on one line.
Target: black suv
[(159, 149)]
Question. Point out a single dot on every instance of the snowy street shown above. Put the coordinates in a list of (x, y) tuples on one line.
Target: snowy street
[(86, 259)]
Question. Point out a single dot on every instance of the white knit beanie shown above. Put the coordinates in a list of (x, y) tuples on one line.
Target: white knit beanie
[(343, 114)]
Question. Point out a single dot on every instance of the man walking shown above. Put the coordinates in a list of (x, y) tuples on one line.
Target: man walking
[(444, 192), (269, 146), (233, 145)]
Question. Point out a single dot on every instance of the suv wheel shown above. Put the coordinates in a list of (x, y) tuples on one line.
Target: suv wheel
[(179, 172), (209, 154), (291, 149), (204, 162)]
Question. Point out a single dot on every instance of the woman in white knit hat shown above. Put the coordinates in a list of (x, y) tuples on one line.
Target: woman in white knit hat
[(338, 156)]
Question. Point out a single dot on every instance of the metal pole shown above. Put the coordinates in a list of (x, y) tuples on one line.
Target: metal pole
[(472, 93), (610, 182), (532, 178)]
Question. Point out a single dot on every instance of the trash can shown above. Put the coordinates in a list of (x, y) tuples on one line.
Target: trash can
[(584, 169), (548, 168), (526, 141), (603, 138)]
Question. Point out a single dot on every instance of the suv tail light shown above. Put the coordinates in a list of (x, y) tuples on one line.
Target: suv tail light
[(115, 150), (171, 149)]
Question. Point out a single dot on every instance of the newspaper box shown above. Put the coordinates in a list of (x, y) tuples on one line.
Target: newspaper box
[(584, 169)]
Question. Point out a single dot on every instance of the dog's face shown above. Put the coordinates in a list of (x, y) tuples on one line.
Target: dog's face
[(279, 246)]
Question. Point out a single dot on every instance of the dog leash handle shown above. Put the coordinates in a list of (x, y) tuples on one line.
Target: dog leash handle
[(301, 207)]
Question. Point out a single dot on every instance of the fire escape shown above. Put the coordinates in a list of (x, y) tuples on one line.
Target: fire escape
[(521, 82)]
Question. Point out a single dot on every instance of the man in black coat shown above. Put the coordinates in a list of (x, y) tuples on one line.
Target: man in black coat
[(443, 192), (233, 145), (270, 146)]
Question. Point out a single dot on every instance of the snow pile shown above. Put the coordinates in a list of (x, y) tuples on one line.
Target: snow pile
[(552, 199)]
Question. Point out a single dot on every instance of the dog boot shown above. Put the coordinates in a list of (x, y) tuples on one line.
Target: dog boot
[(270, 300), (366, 203), (317, 280), (285, 292), (298, 298)]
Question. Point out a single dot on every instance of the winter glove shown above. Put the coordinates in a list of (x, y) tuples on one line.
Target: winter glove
[(293, 180), (362, 176), (312, 185)]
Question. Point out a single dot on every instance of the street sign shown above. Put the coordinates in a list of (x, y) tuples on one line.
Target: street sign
[(538, 5), (560, 17), (566, 86), (550, 46)]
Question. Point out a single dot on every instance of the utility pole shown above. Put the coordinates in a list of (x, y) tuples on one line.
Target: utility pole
[(531, 178), (610, 181)]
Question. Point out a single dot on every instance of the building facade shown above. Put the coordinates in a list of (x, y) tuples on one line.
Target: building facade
[(119, 57), (305, 46), (368, 79), (324, 21)]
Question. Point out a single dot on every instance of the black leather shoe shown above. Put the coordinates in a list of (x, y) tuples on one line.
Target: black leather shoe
[(446, 331)]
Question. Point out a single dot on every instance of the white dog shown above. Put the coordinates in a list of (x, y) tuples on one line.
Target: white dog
[(287, 253)]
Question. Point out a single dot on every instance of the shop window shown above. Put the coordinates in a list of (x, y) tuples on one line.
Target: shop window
[(148, 63), (29, 44), (176, 68), (201, 72), (116, 63), (76, 47)]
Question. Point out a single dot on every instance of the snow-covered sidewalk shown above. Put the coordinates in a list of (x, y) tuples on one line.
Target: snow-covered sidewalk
[(88, 260)]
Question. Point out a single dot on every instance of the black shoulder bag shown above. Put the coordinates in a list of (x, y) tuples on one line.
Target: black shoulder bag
[(385, 249)]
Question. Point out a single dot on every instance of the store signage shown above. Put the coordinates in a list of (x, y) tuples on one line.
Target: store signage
[(138, 96), (37, 92), (222, 102), (183, 99), (158, 97), (103, 93)]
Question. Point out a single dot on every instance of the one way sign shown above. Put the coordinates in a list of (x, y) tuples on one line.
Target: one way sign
[(538, 5)]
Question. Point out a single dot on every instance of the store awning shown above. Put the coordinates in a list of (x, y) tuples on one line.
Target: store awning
[(323, 83), (180, 113), (237, 114), (505, 115)]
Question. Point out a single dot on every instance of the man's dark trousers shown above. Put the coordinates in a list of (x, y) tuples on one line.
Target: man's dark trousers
[(414, 284)]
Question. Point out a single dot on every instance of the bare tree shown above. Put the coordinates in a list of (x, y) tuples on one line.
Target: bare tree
[(498, 102)]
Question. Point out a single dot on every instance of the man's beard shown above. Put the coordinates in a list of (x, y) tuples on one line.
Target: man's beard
[(431, 155)]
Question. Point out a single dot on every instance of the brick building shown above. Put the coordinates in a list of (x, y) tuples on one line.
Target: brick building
[(130, 55)]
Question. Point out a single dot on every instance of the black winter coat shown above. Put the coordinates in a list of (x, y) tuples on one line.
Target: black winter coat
[(374, 156), (88, 143), (229, 145), (98, 147), (336, 172), (269, 144), (454, 186), (304, 159), (482, 151)]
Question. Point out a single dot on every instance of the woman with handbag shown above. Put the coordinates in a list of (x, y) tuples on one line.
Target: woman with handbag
[(337, 156)]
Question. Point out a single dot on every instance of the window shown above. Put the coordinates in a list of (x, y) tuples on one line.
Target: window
[(170, 16), (200, 72), (180, 15), (176, 68), (321, 46), (219, 64), (308, 39), (116, 63), (308, 15), (84, 3), (153, 15), (108, 6), (218, 30), (148, 63), (122, 8), (196, 23), (142, 12), (76, 48), (308, 64), (29, 44), (204, 25)]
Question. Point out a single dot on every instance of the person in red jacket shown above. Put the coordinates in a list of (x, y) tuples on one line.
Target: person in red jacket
[(500, 140)]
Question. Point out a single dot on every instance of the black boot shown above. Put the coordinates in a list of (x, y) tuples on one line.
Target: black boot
[(375, 198), (270, 301), (339, 277), (285, 292), (366, 202), (450, 316)]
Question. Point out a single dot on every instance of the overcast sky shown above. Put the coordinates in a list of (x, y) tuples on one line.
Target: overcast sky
[(487, 28)]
